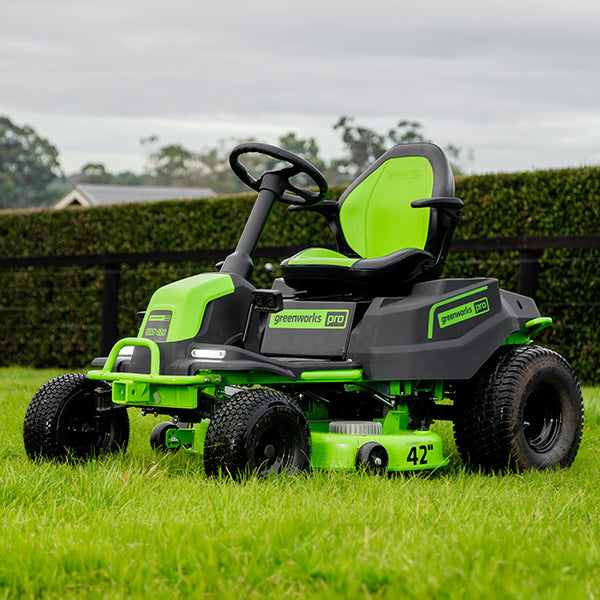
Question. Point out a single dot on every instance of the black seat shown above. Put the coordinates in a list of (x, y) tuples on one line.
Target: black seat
[(392, 226)]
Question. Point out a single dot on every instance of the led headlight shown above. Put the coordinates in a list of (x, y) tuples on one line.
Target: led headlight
[(208, 354)]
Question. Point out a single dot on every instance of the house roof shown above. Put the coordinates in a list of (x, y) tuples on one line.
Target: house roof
[(96, 194)]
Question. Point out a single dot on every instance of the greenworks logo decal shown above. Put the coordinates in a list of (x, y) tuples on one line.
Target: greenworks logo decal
[(309, 319), (157, 326), (463, 312), (159, 317), (458, 313)]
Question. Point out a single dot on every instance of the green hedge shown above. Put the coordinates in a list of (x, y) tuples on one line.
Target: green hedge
[(557, 202), (52, 316)]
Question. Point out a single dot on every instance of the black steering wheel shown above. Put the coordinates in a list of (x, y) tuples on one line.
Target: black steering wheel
[(302, 197)]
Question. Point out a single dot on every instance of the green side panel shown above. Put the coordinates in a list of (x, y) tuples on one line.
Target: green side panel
[(407, 450), (176, 310), (377, 217), (321, 256)]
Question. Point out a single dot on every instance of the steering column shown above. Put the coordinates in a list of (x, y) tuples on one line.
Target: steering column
[(271, 187)]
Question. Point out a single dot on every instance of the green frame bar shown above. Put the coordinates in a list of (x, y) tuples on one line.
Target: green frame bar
[(340, 375), (154, 376)]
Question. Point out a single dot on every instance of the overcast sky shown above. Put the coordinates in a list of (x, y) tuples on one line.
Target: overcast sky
[(516, 82)]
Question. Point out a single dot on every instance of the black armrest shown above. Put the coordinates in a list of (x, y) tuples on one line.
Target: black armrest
[(442, 202), (328, 208)]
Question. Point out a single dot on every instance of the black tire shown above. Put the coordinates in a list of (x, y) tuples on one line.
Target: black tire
[(62, 421), (372, 458), (158, 437), (522, 411), (257, 432)]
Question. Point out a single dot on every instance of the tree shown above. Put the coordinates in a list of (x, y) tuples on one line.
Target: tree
[(8, 191), (28, 161), (95, 173), (306, 148), (131, 178), (364, 145), (406, 132), (216, 174), (173, 165)]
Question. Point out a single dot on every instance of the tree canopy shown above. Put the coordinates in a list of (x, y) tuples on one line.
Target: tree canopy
[(174, 164), (363, 145), (28, 164)]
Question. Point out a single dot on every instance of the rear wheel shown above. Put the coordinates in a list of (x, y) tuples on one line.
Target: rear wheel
[(261, 432), (62, 421), (524, 410)]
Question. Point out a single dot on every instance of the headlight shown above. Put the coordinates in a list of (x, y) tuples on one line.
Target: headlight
[(208, 354)]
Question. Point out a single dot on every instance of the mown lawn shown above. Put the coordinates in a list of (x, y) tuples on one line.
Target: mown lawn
[(145, 525)]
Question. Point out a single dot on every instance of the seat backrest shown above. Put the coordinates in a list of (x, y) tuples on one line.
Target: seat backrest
[(375, 215)]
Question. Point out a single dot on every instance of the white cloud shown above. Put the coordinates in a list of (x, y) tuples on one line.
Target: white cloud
[(94, 77)]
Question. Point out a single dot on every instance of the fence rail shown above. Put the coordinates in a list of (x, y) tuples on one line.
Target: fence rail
[(530, 249)]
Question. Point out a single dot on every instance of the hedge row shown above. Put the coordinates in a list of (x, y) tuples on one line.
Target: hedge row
[(52, 316)]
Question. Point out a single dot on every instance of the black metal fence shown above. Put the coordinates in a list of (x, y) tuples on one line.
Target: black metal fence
[(530, 249)]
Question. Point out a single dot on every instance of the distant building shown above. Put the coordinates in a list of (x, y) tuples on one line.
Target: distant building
[(96, 194)]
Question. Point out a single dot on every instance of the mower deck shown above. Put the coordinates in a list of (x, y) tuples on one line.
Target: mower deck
[(408, 450)]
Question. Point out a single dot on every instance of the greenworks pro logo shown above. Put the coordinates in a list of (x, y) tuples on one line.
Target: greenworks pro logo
[(309, 319), (157, 326), (463, 312), (160, 317), (452, 316)]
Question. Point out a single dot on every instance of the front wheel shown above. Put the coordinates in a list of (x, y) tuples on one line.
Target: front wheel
[(260, 432), (63, 421), (523, 411)]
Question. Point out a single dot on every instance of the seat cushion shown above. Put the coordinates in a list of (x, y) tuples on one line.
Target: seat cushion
[(320, 256), (321, 269)]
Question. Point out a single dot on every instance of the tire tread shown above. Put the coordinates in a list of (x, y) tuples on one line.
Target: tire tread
[(485, 409)]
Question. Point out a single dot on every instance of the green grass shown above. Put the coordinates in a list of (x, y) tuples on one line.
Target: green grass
[(143, 524)]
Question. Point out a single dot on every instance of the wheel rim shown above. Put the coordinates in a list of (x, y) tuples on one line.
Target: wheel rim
[(378, 459), (276, 448), (542, 418), (372, 458), (87, 431)]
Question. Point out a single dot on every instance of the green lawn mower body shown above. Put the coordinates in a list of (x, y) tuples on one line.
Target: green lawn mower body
[(393, 348), (345, 362)]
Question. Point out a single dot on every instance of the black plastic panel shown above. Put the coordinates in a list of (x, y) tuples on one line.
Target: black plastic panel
[(315, 329)]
